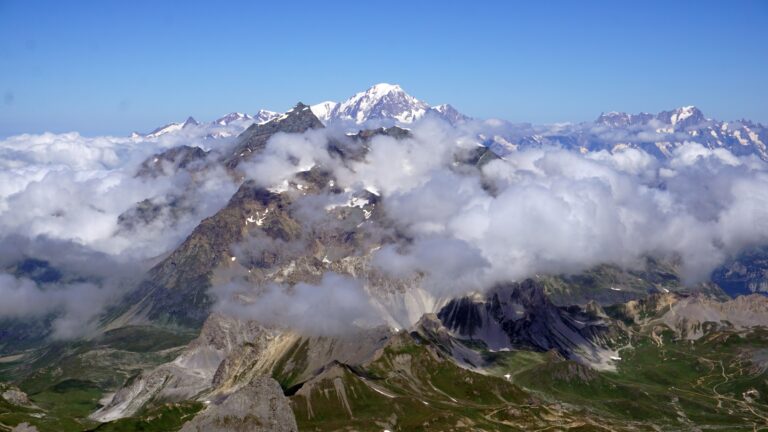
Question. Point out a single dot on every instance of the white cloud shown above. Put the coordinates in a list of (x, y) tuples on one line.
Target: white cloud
[(331, 307), (70, 187), (540, 210)]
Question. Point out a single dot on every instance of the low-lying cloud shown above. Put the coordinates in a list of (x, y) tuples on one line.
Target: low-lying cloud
[(553, 210), (333, 306), (556, 211), (61, 196), (454, 227)]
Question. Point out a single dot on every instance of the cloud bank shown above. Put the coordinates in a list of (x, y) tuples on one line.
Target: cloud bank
[(553, 210), (453, 226), (333, 306), (539, 210), (61, 198)]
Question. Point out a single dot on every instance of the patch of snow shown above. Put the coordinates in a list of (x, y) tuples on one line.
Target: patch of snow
[(282, 187), (357, 202), (381, 391), (324, 110), (682, 114)]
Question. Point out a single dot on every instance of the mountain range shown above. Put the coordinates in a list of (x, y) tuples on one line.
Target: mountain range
[(389, 105), (383, 105), (303, 302)]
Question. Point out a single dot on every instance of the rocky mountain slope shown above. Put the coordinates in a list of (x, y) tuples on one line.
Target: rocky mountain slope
[(447, 360), (520, 316)]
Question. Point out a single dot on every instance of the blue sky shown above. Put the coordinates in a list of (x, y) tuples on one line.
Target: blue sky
[(112, 67)]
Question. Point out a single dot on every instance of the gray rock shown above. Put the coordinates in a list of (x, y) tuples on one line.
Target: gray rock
[(24, 427), (15, 396), (254, 139), (259, 406), (519, 315)]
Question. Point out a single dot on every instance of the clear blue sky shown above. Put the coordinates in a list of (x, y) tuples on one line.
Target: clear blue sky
[(117, 66)]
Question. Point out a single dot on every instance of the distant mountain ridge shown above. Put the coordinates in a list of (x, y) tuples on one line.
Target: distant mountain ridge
[(679, 118), (387, 105), (383, 102), (228, 125), (657, 134)]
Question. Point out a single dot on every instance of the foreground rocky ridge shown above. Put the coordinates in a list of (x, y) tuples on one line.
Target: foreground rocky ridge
[(394, 366)]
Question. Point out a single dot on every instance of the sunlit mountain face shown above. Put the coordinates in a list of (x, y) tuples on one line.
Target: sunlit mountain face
[(382, 263)]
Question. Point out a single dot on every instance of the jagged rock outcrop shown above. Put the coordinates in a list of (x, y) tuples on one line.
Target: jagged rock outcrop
[(230, 353), (431, 329), (747, 273), (181, 157), (692, 317), (260, 406), (190, 374), (519, 315), (24, 427), (176, 288), (14, 396), (254, 139)]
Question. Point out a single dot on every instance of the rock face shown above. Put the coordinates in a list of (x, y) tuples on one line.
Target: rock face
[(24, 427), (259, 406), (14, 396), (175, 290), (187, 376), (748, 273), (657, 134), (229, 354), (692, 317), (181, 157), (254, 139), (172, 127), (450, 114), (521, 316), (680, 118)]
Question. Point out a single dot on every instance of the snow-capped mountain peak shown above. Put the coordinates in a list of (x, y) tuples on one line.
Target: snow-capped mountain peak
[(679, 118), (449, 113), (381, 89), (382, 102), (263, 116), (323, 110), (685, 113), (622, 119), (171, 127), (231, 117), (190, 121)]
